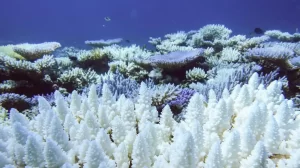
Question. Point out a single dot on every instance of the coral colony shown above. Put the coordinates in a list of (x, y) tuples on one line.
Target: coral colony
[(202, 98)]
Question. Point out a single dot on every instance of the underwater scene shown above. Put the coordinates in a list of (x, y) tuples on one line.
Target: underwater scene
[(153, 84)]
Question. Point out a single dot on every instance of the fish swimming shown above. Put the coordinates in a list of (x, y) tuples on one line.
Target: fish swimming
[(107, 19), (258, 30)]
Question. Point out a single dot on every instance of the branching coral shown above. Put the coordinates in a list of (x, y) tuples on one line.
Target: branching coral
[(225, 77), (118, 85), (164, 93), (115, 52), (173, 42), (129, 69), (230, 55), (195, 74), (77, 78), (39, 74), (208, 35), (283, 36), (253, 126)]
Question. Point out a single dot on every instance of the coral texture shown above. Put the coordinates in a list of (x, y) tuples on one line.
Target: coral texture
[(252, 126)]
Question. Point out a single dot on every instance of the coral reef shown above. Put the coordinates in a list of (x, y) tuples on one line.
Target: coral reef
[(201, 98), (261, 130)]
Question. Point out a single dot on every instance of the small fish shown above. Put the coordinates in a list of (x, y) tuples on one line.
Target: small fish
[(258, 30), (128, 41), (72, 58), (107, 19)]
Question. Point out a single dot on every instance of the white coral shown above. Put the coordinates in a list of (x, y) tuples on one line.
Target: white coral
[(243, 130), (230, 54), (195, 74)]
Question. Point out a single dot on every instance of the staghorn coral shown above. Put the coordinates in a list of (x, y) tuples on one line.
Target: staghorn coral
[(118, 84), (252, 43), (195, 74), (115, 52), (208, 51), (230, 55), (95, 59), (128, 69), (89, 55), (172, 42), (35, 51), (253, 126), (77, 78), (208, 35), (225, 77), (163, 93)]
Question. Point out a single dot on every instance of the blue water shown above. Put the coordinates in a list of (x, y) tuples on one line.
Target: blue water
[(71, 22)]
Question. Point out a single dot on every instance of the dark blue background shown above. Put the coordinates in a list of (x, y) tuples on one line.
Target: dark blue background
[(71, 22)]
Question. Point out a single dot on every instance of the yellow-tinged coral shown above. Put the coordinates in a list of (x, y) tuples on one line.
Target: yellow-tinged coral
[(95, 54), (128, 69), (3, 114), (35, 51), (8, 50)]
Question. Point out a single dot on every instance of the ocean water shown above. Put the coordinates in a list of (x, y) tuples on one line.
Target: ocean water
[(71, 22)]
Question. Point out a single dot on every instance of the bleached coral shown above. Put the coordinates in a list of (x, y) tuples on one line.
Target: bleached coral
[(8, 50), (133, 52), (90, 55), (208, 51), (173, 60), (163, 93), (230, 55), (209, 34), (35, 51), (195, 74), (129, 69), (102, 43), (252, 42), (292, 46), (277, 34), (208, 137), (275, 56), (172, 42), (77, 78), (46, 62)]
